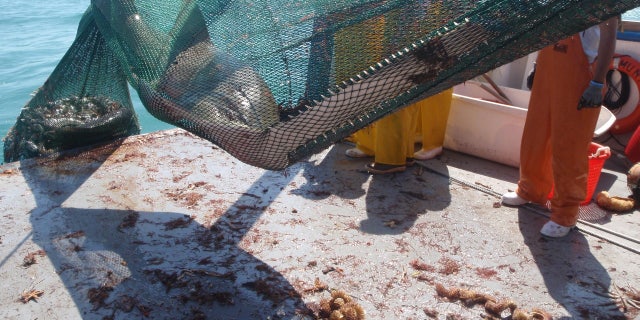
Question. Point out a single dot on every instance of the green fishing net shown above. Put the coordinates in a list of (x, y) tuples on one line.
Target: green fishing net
[(272, 82)]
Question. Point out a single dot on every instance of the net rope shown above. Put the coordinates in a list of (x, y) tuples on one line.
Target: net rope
[(273, 82)]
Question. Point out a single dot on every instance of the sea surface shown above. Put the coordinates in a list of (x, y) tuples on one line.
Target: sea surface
[(34, 35)]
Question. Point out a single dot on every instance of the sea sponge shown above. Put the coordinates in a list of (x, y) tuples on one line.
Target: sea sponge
[(493, 307), (352, 311), (337, 303), (325, 308), (467, 295), (452, 293), (496, 308), (482, 298), (520, 314), (336, 315), (340, 294), (539, 314), (616, 204), (633, 181), (340, 307)]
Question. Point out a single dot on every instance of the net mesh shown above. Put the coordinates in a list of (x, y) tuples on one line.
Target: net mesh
[(272, 82)]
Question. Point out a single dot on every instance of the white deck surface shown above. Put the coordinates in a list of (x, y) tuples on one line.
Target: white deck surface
[(166, 226)]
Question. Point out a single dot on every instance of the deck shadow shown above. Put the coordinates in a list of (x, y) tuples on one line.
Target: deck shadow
[(122, 264), (572, 275), (162, 265), (394, 202)]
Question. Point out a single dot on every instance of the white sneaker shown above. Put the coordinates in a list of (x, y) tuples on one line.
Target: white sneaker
[(428, 154), (554, 230), (513, 199), (356, 153)]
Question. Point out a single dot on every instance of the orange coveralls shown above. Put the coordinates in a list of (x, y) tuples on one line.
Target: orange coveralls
[(556, 136)]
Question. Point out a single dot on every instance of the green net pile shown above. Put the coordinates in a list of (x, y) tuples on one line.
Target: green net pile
[(272, 82)]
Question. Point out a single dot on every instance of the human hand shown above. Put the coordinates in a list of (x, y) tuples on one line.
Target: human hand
[(530, 77), (592, 96)]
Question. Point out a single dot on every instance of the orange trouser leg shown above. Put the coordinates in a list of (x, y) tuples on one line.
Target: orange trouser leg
[(536, 177), (556, 137), (394, 141), (434, 114), (570, 162)]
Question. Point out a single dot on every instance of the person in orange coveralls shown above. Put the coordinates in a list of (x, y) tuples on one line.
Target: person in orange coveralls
[(562, 116)]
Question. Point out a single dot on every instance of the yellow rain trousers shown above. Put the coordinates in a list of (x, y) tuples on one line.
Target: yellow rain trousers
[(556, 136), (392, 138), (434, 114), (349, 61)]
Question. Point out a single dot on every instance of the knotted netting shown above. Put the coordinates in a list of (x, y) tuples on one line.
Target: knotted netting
[(272, 82)]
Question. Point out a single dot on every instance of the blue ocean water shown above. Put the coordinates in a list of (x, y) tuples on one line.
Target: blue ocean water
[(34, 35)]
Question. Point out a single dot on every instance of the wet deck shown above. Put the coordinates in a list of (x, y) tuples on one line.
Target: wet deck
[(165, 226)]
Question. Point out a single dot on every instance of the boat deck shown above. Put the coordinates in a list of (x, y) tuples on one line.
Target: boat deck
[(166, 226)]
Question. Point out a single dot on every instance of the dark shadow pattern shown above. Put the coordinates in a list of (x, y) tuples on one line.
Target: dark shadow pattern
[(572, 275), (123, 264)]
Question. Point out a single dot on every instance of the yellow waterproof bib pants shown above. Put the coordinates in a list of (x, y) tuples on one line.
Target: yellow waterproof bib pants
[(392, 138), (434, 114), (556, 136)]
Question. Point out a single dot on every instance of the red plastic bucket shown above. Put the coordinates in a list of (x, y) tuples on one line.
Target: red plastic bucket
[(596, 162)]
